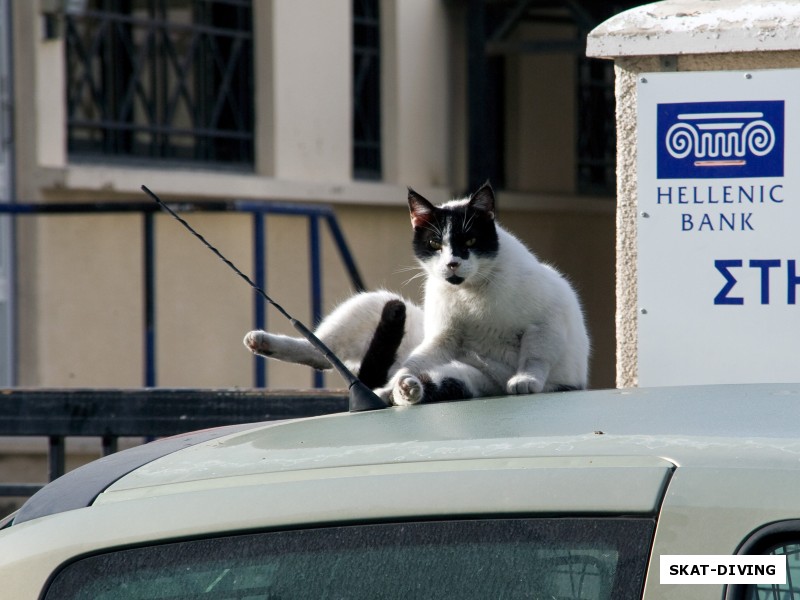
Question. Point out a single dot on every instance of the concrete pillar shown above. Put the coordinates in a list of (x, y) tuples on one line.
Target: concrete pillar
[(414, 98), (741, 50), (304, 79)]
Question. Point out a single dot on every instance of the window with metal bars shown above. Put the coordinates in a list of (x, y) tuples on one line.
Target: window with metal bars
[(161, 79), (366, 90), (597, 135)]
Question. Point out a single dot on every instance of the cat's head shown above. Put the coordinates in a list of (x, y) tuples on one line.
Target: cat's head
[(457, 241)]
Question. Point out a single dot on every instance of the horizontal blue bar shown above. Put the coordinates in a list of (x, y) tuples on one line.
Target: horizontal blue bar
[(248, 206)]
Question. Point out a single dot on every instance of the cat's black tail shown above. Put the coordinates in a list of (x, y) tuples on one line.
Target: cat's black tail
[(382, 351)]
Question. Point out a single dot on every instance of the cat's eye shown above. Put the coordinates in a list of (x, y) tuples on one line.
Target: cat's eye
[(470, 243), (434, 244)]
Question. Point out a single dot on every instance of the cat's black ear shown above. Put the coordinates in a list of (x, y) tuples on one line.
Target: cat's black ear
[(421, 210), (483, 200)]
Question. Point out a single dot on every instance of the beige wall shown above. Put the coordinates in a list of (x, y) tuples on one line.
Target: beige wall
[(540, 138), (89, 306)]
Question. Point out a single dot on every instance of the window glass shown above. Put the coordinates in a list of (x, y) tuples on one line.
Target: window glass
[(161, 79), (789, 591), (580, 559), (366, 90)]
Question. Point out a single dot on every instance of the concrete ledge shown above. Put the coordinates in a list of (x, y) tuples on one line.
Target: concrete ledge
[(123, 182), (676, 27)]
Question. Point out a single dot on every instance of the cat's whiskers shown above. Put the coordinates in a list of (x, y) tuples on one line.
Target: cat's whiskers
[(434, 228), (408, 268), (468, 219), (413, 277), (420, 273)]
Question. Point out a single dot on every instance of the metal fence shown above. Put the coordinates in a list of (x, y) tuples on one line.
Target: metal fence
[(111, 414), (259, 211), (148, 413)]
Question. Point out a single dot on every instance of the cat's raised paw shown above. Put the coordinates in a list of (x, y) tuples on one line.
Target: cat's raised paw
[(407, 390), (258, 342), (524, 384)]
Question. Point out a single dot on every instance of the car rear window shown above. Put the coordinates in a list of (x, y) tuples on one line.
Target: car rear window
[(791, 589), (577, 558)]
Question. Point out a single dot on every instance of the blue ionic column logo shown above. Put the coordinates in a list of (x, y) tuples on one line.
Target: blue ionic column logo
[(720, 139)]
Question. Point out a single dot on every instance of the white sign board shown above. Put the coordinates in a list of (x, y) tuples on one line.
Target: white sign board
[(719, 227)]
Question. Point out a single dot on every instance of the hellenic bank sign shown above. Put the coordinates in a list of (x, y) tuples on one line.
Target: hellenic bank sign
[(719, 227)]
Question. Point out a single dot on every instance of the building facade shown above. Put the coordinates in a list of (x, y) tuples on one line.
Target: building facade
[(301, 102)]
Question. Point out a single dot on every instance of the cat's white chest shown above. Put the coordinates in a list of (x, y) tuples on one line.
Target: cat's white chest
[(473, 327)]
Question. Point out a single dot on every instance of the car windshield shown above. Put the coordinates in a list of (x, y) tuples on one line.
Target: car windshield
[(579, 558)]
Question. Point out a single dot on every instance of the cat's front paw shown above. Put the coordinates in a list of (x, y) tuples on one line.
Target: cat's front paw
[(258, 342), (385, 394), (407, 390), (524, 384)]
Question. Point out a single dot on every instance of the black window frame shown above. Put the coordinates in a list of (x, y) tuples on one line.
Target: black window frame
[(144, 86), (367, 142), (763, 541), (596, 153)]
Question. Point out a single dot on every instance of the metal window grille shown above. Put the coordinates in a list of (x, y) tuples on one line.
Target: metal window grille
[(366, 90), (597, 136), (7, 230), (161, 79), (494, 25)]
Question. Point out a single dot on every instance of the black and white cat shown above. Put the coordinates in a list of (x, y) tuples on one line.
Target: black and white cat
[(495, 320)]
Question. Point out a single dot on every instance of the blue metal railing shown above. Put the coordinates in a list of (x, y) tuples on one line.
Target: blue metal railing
[(259, 210)]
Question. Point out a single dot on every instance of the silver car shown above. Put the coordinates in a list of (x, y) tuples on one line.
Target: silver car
[(574, 495)]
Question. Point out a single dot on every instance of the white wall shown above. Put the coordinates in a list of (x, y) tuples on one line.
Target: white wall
[(415, 92), (304, 49)]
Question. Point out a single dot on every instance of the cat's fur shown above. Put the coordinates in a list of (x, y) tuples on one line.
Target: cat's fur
[(496, 320), (378, 329)]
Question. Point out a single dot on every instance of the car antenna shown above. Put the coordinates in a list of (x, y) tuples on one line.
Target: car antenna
[(361, 397)]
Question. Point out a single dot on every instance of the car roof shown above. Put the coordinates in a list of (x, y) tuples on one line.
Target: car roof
[(710, 464), (721, 426)]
